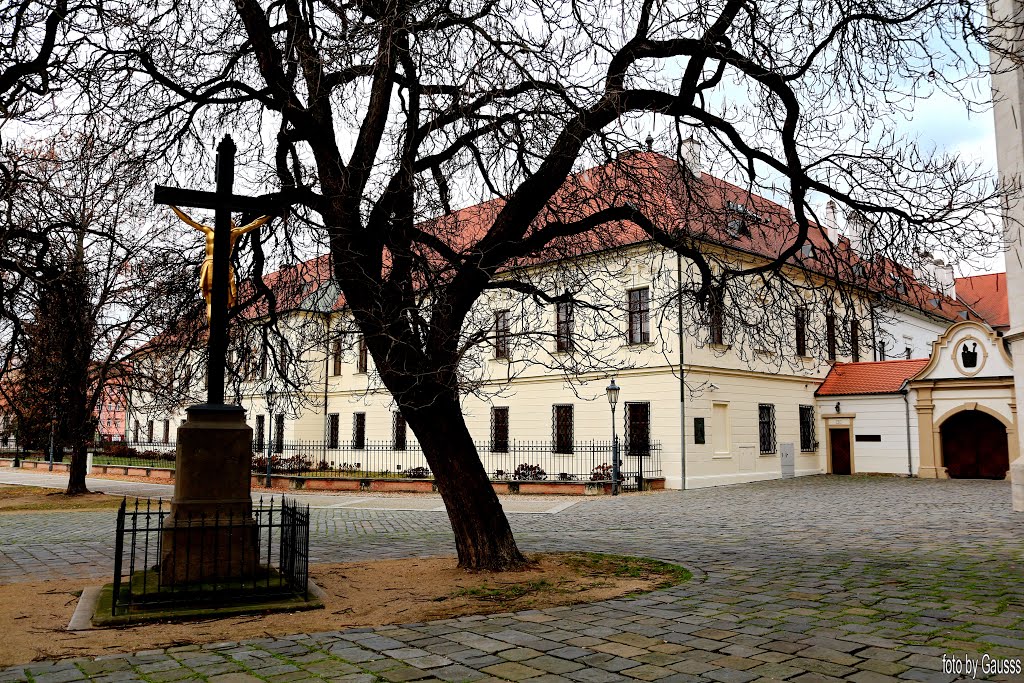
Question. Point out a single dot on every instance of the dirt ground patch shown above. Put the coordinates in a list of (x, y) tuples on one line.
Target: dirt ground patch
[(33, 616), (25, 498)]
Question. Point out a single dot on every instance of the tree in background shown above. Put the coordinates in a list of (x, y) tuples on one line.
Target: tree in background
[(94, 281)]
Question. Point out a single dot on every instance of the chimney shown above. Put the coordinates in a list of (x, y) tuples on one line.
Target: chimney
[(855, 228), (691, 149), (945, 278), (831, 222)]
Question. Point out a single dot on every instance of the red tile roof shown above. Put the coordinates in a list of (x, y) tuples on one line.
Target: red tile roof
[(879, 377), (986, 294)]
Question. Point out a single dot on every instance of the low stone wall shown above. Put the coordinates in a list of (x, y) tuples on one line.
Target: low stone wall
[(295, 483)]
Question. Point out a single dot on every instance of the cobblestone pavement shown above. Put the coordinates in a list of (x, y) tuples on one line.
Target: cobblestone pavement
[(814, 579)]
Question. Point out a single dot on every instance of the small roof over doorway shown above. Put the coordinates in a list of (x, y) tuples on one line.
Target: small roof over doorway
[(878, 377)]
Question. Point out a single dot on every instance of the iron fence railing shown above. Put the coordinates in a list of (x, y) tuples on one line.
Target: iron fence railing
[(259, 553), (517, 461), (510, 461)]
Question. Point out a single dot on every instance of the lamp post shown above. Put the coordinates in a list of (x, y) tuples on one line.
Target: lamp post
[(612, 391), (270, 430), (53, 429)]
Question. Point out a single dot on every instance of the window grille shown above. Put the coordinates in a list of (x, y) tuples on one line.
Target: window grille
[(830, 336), (263, 364), (279, 434), (562, 429), (501, 334), (361, 360), (638, 428), (639, 316), (563, 326), (716, 318), (766, 427), (855, 340), (499, 429), (801, 331), (398, 431), (699, 436), (167, 431), (149, 431), (136, 431), (807, 441), (261, 422), (336, 358), (333, 429), (359, 431)]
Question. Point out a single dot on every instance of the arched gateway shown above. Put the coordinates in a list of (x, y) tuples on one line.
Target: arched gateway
[(974, 446)]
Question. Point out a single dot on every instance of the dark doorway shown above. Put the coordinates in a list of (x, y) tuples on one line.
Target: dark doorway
[(974, 446), (840, 451)]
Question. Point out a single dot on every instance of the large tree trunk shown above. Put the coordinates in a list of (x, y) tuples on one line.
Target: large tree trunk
[(76, 472), (483, 537)]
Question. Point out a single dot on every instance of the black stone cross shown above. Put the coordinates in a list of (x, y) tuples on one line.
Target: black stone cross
[(223, 202)]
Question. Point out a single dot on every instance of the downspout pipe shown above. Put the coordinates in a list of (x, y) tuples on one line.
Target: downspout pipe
[(682, 374), (906, 406)]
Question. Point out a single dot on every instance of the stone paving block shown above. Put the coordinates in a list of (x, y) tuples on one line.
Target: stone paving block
[(595, 676), (457, 673), (730, 675), (513, 671)]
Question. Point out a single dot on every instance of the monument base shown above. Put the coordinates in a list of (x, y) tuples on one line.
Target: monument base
[(210, 534)]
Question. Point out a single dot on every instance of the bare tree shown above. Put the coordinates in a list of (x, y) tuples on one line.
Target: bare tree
[(89, 288), (391, 115)]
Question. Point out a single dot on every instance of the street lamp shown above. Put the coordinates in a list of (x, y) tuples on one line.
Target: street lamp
[(612, 391), (53, 428), (271, 394)]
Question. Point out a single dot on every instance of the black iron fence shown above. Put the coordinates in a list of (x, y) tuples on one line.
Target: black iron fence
[(515, 461), (259, 553), (512, 461)]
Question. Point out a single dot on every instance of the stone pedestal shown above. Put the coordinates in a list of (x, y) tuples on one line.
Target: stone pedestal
[(210, 535)]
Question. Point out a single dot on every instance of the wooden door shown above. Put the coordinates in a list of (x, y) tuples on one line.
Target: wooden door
[(840, 451), (974, 446)]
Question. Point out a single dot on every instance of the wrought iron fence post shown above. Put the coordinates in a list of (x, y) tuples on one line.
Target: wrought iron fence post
[(615, 465)]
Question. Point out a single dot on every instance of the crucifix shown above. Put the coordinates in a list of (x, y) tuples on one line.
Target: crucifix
[(216, 278)]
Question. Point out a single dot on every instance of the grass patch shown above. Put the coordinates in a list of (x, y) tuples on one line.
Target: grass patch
[(666, 574), (583, 573), (15, 498)]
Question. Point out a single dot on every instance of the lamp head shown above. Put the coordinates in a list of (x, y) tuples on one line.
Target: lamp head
[(271, 395), (612, 391)]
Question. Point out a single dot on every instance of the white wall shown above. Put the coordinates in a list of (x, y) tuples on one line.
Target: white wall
[(884, 415)]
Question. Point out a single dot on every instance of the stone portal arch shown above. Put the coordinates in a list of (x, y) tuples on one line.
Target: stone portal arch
[(975, 443)]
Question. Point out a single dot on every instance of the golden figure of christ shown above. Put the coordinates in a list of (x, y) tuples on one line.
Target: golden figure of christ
[(206, 270)]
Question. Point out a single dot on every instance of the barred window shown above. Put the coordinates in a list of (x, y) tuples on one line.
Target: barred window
[(716, 317), (149, 431), (563, 326), (361, 360), (279, 434), (398, 431), (830, 336), (855, 340), (336, 357), (263, 363), (135, 435), (638, 428), (167, 431), (499, 429), (261, 422), (333, 429), (801, 331), (639, 316), (562, 428), (766, 427), (501, 334), (807, 442), (359, 431)]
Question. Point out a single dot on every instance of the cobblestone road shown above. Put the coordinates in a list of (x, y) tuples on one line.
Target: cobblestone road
[(815, 579)]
